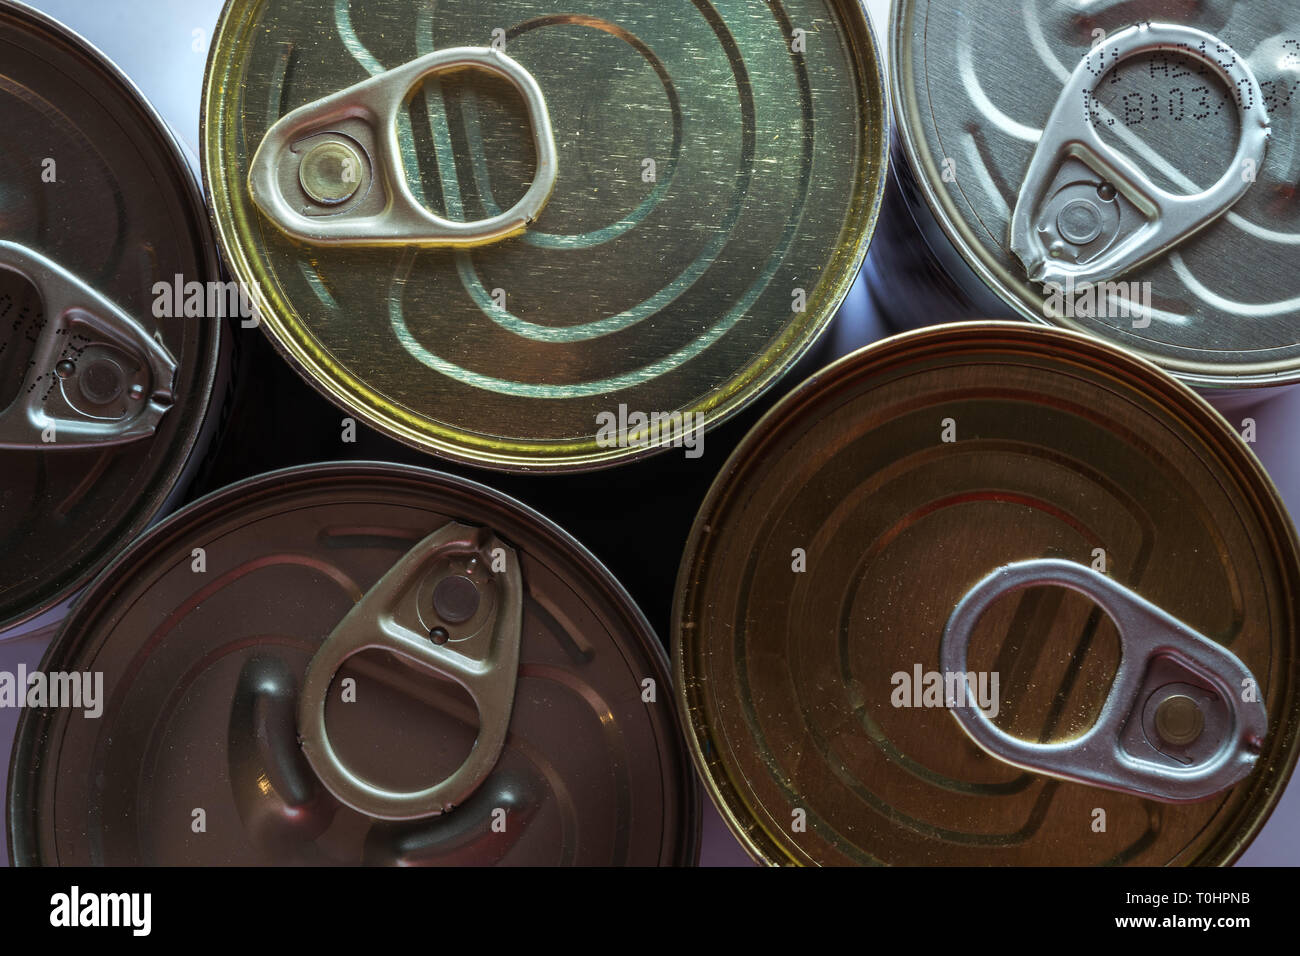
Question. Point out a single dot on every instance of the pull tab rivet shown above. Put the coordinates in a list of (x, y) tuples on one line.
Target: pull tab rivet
[(1179, 720), (102, 382), (330, 173), (65, 369), (439, 636), (456, 599), (1079, 222)]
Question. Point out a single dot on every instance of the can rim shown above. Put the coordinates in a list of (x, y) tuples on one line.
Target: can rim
[(204, 423), (1258, 488), (1196, 374), (348, 393), (20, 812)]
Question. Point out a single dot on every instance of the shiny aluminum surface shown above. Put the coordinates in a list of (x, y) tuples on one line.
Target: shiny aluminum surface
[(1157, 653), (974, 86)]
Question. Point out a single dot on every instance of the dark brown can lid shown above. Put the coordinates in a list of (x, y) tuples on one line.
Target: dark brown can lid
[(1094, 540), (101, 401), (208, 634)]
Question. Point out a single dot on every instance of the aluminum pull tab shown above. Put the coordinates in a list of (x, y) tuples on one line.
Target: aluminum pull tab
[(1086, 214), (330, 172), (1183, 720), (442, 609), (96, 377)]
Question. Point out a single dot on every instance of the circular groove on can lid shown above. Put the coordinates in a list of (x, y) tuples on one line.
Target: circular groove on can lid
[(703, 230), (835, 546), (207, 624)]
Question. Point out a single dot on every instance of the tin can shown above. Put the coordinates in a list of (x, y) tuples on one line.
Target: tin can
[(539, 238), (914, 275), (1126, 170), (105, 403), (991, 594), (356, 663)]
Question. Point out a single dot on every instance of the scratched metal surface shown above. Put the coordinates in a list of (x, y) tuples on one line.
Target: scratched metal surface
[(975, 84), (153, 43), (786, 675), (675, 295)]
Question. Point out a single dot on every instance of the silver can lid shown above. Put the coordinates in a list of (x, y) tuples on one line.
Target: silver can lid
[(1124, 169)]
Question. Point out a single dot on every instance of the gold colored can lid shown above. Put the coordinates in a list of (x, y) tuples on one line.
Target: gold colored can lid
[(855, 528), (537, 238)]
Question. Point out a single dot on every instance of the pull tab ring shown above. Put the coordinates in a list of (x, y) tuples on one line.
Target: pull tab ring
[(443, 609), (1068, 226), (313, 180), (116, 384), (1168, 676)]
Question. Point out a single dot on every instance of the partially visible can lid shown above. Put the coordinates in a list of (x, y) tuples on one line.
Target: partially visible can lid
[(1104, 548), (215, 630), (101, 402), (1128, 170), (713, 175)]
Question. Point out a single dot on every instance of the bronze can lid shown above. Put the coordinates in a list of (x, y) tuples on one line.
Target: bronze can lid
[(844, 544), (208, 633)]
